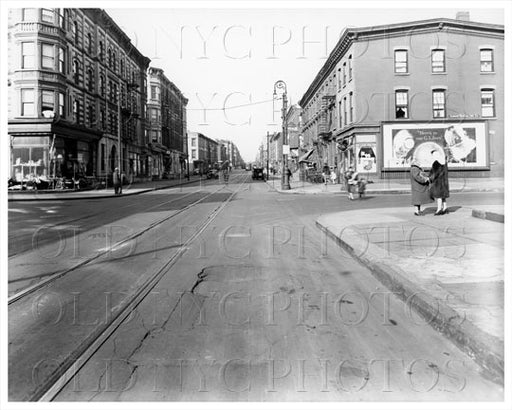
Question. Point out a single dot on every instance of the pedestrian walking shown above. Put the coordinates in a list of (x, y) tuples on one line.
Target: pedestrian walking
[(326, 173), (350, 183), (419, 187), (439, 186), (116, 179), (333, 175)]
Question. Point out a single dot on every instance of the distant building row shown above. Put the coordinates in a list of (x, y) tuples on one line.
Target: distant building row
[(206, 153)]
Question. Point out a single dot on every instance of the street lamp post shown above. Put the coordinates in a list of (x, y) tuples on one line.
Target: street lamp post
[(285, 180)]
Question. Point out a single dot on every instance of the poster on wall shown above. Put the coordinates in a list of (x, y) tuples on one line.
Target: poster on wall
[(464, 144), (366, 160)]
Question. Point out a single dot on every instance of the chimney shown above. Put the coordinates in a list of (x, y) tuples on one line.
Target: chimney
[(462, 15)]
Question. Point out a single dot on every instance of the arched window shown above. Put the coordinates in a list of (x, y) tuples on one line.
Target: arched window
[(75, 32)]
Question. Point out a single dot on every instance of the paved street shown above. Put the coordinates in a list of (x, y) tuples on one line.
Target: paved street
[(244, 298)]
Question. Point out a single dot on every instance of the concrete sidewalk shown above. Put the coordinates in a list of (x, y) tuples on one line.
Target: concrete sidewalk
[(389, 186), (132, 189), (449, 269)]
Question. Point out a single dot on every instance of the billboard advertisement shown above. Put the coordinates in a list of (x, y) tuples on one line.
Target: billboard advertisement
[(464, 144)]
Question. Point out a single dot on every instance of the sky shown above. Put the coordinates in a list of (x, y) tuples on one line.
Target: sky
[(231, 58)]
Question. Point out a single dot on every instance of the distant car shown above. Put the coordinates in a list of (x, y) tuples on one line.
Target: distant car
[(257, 173), (247, 167), (212, 174)]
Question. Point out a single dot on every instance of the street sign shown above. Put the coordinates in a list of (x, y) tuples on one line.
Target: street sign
[(286, 150)]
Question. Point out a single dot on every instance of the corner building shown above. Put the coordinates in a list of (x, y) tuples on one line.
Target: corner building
[(75, 81), (388, 94)]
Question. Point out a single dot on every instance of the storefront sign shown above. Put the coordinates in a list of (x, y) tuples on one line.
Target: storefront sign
[(464, 144)]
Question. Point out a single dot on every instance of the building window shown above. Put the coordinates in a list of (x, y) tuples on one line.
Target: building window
[(487, 97), (76, 71), (486, 60), (438, 104), (90, 79), (401, 104), (88, 44), (76, 111), (194, 154), (350, 67), (90, 115), (401, 64), (47, 15), (102, 120), (109, 57), (153, 92), (351, 108), (193, 142), (27, 102), (345, 111), (75, 32), (344, 73), (27, 55), (438, 61), (62, 60), (62, 19), (47, 103), (102, 86), (30, 15), (121, 68), (101, 50), (47, 56), (114, 61), (339, 114), (62, 108)]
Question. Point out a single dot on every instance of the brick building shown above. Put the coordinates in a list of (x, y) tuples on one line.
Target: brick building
[(74, 80), (389, 93)]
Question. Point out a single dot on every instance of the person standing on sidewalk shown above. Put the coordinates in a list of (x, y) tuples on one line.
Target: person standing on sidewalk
[(116, 179), (326, 173), (349, 182), (289, 173), (419, 187), (439, 188)]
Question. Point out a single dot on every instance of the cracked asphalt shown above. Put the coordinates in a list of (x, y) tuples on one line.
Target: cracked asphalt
[(260, 307)]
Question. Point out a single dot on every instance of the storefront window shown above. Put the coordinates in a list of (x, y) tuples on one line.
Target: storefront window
[(29, 162)]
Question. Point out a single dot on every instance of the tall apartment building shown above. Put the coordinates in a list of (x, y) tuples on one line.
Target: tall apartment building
[(390, 93), (166, 125), (75, 80)]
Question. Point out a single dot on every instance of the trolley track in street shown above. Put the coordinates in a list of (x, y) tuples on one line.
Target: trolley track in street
[(52, 277), (73, 360)]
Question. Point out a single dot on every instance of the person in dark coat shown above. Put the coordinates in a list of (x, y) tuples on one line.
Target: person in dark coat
[(116, 179), (419, 187), (439, 187)]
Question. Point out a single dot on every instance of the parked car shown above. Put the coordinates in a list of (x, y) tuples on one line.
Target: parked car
[(257, 173), (212, 174)]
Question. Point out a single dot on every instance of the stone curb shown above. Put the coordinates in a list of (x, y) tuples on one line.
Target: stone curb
[(485, 349), (491, 216), (73, 198), (296, 191)]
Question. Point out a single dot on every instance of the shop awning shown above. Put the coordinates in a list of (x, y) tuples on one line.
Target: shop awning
[(305, 157)]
